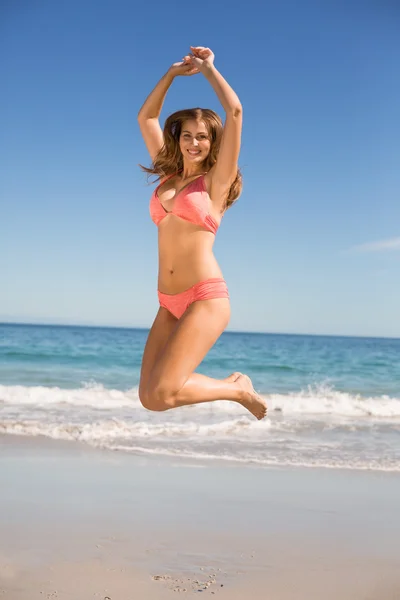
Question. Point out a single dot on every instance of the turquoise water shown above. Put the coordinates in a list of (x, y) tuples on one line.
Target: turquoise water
[(333, 401), (69, 356)]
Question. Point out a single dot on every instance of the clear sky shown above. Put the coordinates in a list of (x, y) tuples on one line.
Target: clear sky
[(312, 245)]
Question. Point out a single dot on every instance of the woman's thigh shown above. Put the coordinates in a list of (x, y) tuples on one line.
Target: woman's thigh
[(160, 331), (193, 336)]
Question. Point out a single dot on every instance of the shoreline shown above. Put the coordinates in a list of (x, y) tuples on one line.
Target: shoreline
[(194, 460)]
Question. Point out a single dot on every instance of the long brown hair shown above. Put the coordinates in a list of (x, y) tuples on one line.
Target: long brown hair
[(169, 160)]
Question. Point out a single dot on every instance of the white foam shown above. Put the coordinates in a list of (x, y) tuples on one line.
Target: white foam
[(315, 400), (325, 400), (93, 395), (119, 429), (88, 435)]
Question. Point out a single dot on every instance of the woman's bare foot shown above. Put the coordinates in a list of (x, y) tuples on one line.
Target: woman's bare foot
[(233, 377), (251, 400)]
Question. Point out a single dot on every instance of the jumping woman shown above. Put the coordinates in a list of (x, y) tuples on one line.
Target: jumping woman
[(196, 161)]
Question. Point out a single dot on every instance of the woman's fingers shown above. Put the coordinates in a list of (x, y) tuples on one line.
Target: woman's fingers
[(201, 52), (190, 69), (194, 60), (197, 49)]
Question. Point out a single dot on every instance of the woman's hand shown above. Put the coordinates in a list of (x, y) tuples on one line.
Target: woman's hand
[(185, 67), (201, 57)]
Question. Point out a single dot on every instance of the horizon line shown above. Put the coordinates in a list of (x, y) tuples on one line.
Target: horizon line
[(333, 335)]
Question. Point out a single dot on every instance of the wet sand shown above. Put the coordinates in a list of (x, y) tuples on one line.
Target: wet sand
[(78, 523)]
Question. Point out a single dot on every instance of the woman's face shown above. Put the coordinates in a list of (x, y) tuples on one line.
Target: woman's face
[(194, 141)]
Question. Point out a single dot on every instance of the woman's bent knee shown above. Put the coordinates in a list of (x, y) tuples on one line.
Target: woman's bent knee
[(156, 398), (151, 403)]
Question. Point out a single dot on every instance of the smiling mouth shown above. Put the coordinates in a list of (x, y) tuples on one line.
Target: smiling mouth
[(194, 152)]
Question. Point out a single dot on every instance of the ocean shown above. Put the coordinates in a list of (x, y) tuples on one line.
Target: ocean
[(334, 402)]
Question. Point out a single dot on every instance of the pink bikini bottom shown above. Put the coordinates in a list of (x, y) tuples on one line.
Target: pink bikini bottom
[(176, 304)]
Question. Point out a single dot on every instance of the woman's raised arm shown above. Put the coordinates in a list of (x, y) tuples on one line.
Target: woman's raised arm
[(225, 170), (148, 116)]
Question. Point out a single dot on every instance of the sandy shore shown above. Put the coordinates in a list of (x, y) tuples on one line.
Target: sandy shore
[(78, 523)]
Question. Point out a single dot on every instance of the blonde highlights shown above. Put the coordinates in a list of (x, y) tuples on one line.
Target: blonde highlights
[(170, 160)]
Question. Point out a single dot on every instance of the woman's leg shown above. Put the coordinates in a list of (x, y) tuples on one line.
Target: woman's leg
[(172, 381), (162, 327)]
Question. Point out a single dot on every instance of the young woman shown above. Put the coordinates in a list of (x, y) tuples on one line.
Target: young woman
[(196, 159)]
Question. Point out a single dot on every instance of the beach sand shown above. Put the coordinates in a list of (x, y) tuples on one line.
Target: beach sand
[(78, 523)]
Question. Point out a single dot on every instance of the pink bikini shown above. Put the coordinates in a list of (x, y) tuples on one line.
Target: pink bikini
[(190, 204)]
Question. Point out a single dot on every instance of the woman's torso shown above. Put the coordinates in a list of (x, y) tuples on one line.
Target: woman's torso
[(185, 248)]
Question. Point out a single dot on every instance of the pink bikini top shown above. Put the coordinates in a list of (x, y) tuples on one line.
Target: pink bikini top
[(190, 203)]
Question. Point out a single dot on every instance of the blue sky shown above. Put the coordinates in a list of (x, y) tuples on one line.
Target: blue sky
[(313, 244)]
